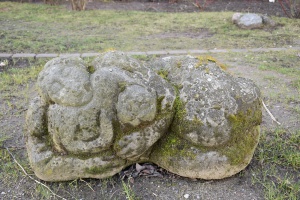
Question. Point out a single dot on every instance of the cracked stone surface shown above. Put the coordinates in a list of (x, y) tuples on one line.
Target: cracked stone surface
[(184, 113)]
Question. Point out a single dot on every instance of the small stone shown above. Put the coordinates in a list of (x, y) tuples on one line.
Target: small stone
[(186, 196), (248, 21), (268, 21), (236, 17), (3, 193)]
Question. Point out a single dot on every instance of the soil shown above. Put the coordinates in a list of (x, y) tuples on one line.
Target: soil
[(169, 186), (247, 6), (255, 6)]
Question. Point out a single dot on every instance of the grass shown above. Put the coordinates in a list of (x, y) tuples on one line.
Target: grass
[(281, 148), (279, 151), (279, 157), (283, 62), (129, 193), (16, 77), (39, 28)]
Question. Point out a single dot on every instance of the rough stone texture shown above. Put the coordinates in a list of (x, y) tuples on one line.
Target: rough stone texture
[(268, 21), (183, 113), (252, 21), (215, 128), (247, 21), (236, 17)]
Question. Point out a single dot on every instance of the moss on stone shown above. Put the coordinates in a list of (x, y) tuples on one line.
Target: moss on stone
[(48, 172), (180, 124), (91, 69), (203, 60), (158, 104), (122, 86), (172, 146), (180, 113), (197, 121), (98, 169), (244, 136), (123, 130), (239, 149), (128, 68), (163, 73), (120, 131), (178, 64)]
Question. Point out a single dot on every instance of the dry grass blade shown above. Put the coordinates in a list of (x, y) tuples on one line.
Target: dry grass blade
[(24, 171), (87, 184), (273, 118)]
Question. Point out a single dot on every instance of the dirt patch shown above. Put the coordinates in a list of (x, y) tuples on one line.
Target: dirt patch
[(275, 89), (256, 6), (200, 34)]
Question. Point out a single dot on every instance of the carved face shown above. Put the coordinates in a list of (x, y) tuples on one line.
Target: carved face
[(68, 86), (136, 105)]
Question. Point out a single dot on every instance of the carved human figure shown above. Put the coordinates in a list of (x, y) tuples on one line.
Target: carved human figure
[(91, 122), (84, 114)]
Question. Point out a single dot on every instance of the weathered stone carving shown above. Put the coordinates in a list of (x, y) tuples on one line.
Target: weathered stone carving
[(183, 113)]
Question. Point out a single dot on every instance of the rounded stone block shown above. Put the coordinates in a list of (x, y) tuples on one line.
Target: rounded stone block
[(184, 113)]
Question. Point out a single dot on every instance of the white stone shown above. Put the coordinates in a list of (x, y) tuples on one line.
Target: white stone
[(236, 17), (248, 21)]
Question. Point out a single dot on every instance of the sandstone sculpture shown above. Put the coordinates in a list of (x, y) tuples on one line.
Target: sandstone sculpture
[(183, 113)]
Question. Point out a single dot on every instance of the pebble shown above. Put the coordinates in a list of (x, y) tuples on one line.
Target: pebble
[(186, 196), (2, 64), (3, 193)]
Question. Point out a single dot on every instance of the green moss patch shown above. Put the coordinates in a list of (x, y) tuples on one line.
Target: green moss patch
[(172, 146), (163, 73), (244, 136), (203, 60), (98, 169)]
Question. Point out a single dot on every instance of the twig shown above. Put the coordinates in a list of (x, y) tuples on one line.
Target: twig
[(12, 147), (284, 9), (114, 193), (24, 171), (87, 184), (273, 118)]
